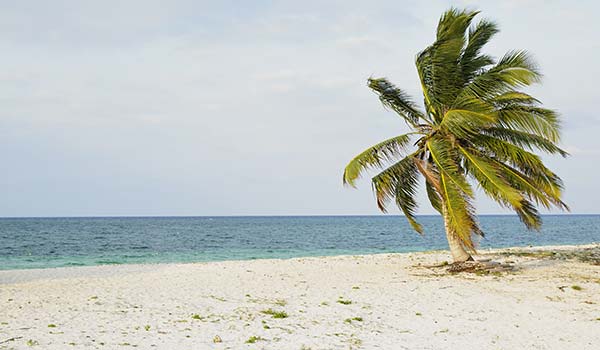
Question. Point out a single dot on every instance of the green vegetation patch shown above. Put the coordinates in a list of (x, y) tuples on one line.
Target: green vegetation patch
[(253, 339), (590, 255), (32, 342), (275, 313), (349, 320)]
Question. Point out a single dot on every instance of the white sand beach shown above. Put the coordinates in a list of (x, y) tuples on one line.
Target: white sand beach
[(386, 301)]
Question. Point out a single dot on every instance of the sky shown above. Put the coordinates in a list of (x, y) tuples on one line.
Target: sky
[(116, 108)]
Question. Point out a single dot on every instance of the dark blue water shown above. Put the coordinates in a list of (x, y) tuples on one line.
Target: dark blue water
[(53, 242)]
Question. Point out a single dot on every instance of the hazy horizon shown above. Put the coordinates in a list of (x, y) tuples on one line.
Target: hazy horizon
[(188, 108), (271, 216)]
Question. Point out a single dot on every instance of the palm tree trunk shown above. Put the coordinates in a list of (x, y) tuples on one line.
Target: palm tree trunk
[(459, 254)]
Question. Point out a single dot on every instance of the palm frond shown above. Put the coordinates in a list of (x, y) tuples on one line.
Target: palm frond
[(520, 66), (434, 197), (459, 211), (525, 139), (535, 120), (425, 70), (529, 216), (516, 69), (397, 100), (471, 61), (399, 182), (465, 123), (446, 160), (537, 188), (490, 179), (514, 97), (432, 183), (507, 152), (376, 156), (441, 76)]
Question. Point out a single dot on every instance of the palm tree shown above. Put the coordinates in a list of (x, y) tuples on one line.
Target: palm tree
[(476, 126)]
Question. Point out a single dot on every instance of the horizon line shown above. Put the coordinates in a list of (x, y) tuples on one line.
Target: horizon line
[(261, 216)]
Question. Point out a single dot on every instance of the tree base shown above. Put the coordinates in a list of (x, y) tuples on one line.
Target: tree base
[(480, 267)]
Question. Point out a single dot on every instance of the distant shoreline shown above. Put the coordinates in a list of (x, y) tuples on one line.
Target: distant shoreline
[(308, 256), (12, 275)]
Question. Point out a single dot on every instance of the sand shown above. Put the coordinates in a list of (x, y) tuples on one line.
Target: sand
[(385, 301)]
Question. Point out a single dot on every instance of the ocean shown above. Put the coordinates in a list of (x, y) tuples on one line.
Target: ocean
[(27, 243)]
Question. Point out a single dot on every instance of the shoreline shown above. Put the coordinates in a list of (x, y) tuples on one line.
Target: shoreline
[(38, 270), (386, 301)]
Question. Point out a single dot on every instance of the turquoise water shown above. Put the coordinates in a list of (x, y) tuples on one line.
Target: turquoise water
[(54, 242)]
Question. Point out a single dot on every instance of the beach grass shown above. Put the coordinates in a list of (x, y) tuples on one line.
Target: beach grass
[(275, 313)]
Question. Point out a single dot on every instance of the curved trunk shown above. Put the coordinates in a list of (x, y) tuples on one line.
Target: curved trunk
[(459, 254)]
